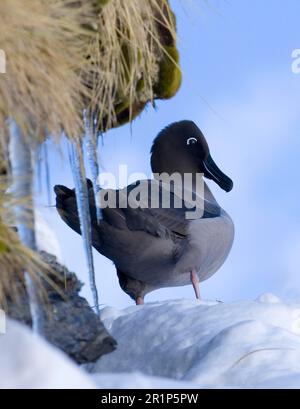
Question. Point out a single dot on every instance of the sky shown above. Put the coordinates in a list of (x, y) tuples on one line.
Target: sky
[(239, 88)]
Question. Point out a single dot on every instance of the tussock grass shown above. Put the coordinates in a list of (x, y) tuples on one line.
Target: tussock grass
[(65, 55), (44, 44), (42, 90), (109, 56), (126, 54), (16, 258)]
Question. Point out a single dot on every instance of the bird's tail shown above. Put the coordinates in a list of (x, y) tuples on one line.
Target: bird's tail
[(67, 207)]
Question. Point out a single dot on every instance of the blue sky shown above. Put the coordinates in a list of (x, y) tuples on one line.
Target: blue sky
[(239, 88)]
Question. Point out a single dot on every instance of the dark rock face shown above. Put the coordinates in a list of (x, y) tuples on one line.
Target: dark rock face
[(70, 323)]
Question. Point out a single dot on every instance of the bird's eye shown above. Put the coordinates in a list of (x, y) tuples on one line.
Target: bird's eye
[(191, 141)]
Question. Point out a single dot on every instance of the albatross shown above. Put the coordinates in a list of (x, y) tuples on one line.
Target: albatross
[(158, 245)]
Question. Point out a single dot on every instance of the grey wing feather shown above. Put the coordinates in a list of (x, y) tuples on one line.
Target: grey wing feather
[(161, 221)]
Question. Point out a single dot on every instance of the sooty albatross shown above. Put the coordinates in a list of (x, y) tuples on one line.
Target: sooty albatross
[(156, 246)]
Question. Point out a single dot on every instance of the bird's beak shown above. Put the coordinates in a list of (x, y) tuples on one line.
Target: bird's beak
[(211, 171)]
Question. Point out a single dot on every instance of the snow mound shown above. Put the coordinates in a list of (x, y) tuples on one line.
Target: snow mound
[(137, 380), (253, 344), (29, 362)]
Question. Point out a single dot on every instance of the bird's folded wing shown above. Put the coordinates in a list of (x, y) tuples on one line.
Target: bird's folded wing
[(138, 212), (163, 221)]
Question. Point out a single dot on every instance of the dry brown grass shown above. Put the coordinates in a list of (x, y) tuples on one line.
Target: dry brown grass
[(44, 44), (47, 43), (14, 257), (130, 42), (42, 91), (67, 55)]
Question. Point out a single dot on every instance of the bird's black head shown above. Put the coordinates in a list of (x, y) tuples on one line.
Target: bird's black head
[(182, 148)]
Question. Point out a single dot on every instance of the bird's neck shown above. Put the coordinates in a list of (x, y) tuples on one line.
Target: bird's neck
[(208, 195), (195, 183), (201, 187)]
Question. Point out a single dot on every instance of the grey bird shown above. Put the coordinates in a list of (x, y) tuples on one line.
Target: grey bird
[(159, 246)]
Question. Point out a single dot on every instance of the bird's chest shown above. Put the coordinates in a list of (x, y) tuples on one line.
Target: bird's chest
[(208, 245)]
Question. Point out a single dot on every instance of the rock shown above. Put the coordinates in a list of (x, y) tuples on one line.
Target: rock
[(70, 323)]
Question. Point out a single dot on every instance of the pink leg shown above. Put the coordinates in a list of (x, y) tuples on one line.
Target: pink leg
[(195, 282), (139, 301)]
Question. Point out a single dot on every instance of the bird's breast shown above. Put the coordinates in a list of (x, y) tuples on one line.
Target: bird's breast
[(208, 245)]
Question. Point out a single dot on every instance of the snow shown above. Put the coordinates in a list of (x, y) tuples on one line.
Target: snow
[(172, 344), (137, 380), (27, 361), (247, 344)]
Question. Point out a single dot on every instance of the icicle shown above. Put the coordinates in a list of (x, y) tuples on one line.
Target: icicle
[(47, 173), (38, 161), (82, 200), (22, 174), (92, 155)]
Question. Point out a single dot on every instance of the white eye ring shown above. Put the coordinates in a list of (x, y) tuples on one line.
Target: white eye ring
[(191, 141)]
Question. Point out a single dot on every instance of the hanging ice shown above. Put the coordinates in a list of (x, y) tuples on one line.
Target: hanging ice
[(82, 200), (22, 174), (91, 147), (47, 172)]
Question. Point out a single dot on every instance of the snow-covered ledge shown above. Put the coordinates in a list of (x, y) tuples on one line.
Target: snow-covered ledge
[(247, 344), (171, 344), (29, 362)]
